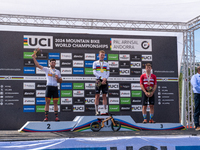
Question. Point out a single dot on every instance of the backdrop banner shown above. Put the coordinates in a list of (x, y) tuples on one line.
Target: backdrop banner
[(22, 85)]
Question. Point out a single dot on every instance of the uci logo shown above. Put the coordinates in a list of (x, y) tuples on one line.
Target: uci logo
[(44, 42), (78, 108)]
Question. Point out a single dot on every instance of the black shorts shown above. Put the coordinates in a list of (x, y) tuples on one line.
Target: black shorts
[(145, 99), (52, 91), (103, 88)]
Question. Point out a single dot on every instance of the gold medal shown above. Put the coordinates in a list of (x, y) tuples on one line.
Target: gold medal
[(101, 70)]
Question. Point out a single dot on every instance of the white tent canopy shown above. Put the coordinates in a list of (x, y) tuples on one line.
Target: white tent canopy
[(144, 10)]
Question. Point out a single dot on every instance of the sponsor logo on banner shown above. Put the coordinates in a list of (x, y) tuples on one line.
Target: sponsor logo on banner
[(89, 56), (40, 93), (113, 108), (113, 57), (40, 108), (90, 108), (89, 101), (135, 64), (28, 108), (124, 57), (34, 41), (135, 57), (135, 86), (136, 72), (113, 86), (125, 87), (78, 63), (123, 64), (89, 64), (28, 62), (125, 108), (66, 63), (28, 55), (113, 64), (125, 93), (78, 86), (29, 70), (144, 71), (41, 86), (123, 44), (113, 100), (39, 71), (54, 55), (124, 71), (66, 108), (88, 71), (66, 93), (78, 93), (66, 55), (105, 58), (28, 85), (136, 107), (66, 70), (29, 93), (29, 101), (43, 62), (146, 57), (40, 101), (136, 93), (114, 71), (113, 93), (90, 86), (89, 93), (42, 56), (136, 101), (78, 108), (101, 108), (51, 108), (66, 101), (78, 56), (78, 100), (125, 100), (78, 70), (66, 86)]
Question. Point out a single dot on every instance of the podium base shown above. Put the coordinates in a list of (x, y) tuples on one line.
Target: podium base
[(82, 124)]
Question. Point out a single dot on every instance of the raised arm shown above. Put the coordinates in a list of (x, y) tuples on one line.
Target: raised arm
[(36, 63)]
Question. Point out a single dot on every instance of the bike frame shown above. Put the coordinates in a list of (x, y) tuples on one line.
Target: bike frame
[(109, 118)]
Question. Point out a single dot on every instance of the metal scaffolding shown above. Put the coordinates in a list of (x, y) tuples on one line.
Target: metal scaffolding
[(187, 28)]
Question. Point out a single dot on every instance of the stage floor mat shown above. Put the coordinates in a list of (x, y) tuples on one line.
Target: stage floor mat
[(14, 135)]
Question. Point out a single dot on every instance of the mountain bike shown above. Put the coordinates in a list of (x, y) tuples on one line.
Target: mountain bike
[(98, 125)]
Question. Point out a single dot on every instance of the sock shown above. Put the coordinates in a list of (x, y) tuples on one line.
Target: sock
[(104, 107), (56, 113), (145, 116), (96, 108), (46, 114), (151, 116)]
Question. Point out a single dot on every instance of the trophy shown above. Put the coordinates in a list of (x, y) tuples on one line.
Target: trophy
[(98, 83), (149, 89), (37, 52)]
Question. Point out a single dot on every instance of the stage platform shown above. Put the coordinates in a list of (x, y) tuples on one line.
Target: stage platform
[(11, 135)]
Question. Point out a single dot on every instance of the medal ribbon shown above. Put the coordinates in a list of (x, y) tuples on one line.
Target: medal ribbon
[(101, 64), (148, 77)]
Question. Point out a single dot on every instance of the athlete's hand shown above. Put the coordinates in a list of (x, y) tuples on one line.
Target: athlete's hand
[(33, 56), (104, 81)]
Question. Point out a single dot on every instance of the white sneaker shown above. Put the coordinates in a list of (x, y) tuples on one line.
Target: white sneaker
[(97, 113)]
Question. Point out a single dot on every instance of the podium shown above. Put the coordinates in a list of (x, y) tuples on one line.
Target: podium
[(82, 124)]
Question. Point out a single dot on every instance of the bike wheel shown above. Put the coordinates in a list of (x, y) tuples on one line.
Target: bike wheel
[(117, 126), (95, 126)]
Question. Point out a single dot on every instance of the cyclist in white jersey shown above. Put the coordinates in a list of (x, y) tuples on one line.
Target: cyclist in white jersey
[(53, 76), (101, 71)]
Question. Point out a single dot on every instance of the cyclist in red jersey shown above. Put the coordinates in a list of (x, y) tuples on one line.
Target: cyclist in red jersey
[(148, 84)]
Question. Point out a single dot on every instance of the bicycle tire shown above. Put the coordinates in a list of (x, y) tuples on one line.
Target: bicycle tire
[(95, 126), (117, 127)]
